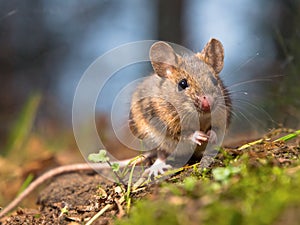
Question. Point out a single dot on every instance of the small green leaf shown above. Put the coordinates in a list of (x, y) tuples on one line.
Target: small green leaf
[(115, 167), (64, 210), (98, 157), (224, 173)]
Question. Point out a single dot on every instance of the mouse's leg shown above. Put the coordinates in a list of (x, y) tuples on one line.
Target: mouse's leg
[(212, 137), (159, 166)]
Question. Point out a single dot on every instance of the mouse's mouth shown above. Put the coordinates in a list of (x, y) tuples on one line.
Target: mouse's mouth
[(204, 103)]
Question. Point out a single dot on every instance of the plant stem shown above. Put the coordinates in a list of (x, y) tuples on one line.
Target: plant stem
[(116, 174)]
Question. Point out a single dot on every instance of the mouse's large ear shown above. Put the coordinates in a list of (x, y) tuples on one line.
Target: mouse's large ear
[(163, 58), (213, 55)]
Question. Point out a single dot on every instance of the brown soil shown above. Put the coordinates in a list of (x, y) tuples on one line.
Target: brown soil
[(76, 197)]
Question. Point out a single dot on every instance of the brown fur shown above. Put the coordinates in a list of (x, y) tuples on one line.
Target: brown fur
[(161, 114)]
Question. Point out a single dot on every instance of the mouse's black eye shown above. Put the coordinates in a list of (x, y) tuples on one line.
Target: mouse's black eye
[(183, 84)]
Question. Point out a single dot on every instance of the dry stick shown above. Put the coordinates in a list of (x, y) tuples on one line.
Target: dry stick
[(52, 173), (40, 180), (98, 214), (121, 212)]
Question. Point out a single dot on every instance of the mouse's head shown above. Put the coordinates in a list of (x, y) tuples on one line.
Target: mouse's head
[(195, 78)]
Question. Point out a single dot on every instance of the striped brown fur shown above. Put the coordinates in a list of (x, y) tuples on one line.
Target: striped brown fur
[(161, 114)]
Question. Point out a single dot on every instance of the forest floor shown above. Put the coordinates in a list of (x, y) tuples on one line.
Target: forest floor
[(251, 184)]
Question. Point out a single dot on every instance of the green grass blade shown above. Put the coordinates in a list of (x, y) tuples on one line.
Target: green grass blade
[(289, 136), (26, 183), (23, 126)]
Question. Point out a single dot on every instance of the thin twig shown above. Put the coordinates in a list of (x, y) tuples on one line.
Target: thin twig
[(121, 212), (107, 207)]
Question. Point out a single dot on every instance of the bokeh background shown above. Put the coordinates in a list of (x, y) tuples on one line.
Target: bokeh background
[(45, 47)]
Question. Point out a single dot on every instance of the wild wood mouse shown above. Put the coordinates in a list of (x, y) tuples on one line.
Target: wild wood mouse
[(183, 106)]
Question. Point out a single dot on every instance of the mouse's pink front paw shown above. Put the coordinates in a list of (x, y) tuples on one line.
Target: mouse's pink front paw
[(199, 137)]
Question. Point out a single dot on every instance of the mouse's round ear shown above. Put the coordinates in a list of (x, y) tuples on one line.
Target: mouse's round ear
[(213, 55), (163, 58)]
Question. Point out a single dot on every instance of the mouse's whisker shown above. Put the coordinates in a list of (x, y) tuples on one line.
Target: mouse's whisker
[(185, 117), (231, 73), (254, 80), (250, 81), (223, 98), (259, 109), (252, 115), (233, 92), (243, 115), (223, 108), (234, 114)]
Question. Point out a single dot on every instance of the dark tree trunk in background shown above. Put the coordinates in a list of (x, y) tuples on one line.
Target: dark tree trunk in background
[(287, 39), (170, 20)]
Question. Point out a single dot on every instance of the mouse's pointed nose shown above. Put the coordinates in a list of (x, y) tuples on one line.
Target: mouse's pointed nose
[(205, 103)]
